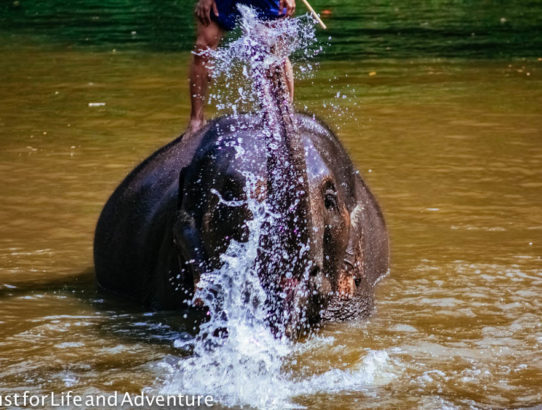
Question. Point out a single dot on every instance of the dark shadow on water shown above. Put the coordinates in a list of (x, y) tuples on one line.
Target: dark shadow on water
[(82, 281), (121, 318)]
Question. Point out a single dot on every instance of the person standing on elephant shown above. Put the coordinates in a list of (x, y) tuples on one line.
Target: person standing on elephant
[(214, 17)]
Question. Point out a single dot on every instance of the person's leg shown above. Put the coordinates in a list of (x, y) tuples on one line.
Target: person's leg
[(207, 37), (289, 77)]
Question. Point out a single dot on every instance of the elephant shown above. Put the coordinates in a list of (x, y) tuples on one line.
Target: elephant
[(175, 214)]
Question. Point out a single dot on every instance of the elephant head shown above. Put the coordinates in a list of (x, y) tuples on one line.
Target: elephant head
[(329, 233)]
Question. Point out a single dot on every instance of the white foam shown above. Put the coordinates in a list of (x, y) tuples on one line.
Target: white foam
[(403, 328), (67, 345)]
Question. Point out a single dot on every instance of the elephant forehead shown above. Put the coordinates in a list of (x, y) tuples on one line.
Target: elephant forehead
[(317, 168), (234, 159)]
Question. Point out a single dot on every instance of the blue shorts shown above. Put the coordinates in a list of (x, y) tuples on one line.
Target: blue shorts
[(228, 13)]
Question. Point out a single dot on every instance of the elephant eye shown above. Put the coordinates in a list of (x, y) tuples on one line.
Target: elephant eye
[(357, 281), (330, 200)]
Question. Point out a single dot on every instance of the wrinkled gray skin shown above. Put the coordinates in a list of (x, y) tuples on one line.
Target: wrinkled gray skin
[(165, 220)]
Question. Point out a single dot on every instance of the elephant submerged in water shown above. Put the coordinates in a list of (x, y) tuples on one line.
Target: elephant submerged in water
[(167, 219)]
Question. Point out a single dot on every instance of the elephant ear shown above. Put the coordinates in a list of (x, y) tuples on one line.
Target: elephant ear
[(354, 255), (368, 246)]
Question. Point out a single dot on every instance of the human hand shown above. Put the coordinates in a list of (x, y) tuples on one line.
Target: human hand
[(203, 11), (289, 5)]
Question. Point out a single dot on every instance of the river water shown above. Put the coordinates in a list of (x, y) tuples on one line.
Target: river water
[(440, 108)]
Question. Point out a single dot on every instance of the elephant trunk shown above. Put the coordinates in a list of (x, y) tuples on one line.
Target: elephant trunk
[(288, 234)]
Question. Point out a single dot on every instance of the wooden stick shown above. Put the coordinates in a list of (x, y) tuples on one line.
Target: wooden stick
[(316, 16)]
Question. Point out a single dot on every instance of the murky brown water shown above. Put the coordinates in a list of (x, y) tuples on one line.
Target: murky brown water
[(452, 148)]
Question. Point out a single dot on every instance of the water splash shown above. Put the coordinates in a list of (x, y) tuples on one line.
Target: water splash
[(240, 63), (228, 366), (263, 51), (236, 357)]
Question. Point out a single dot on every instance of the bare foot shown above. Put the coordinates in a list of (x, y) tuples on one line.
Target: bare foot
[(194, 126)]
